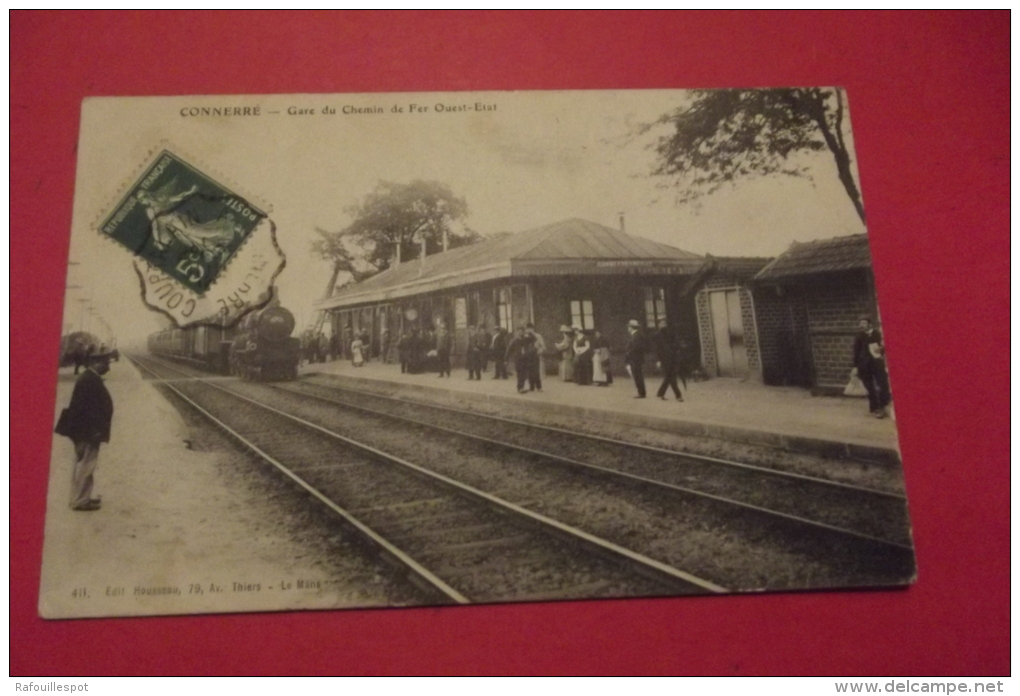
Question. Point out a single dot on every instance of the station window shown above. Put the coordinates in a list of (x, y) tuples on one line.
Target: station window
[(655, 306), (582, 314), (472, 309), (503, 309)]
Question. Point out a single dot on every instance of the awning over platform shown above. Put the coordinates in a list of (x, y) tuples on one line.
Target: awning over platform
[(569, 247)]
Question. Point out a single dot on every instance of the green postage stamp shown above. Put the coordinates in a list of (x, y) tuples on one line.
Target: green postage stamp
[(182, 222)]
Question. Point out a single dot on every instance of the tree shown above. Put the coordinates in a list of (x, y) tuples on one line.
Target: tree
[(330, 247), (725, 135), (395, 215)]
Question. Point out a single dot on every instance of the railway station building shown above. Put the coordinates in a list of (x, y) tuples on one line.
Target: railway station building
[(573, 272), (787, 321), (808, 302)]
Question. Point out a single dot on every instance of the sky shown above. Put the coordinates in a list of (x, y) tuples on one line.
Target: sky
[(520, 159)]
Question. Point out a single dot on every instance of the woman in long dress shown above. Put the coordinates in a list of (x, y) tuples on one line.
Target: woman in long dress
[(357, 352), (582, 358), (600, 356), (566, 349)]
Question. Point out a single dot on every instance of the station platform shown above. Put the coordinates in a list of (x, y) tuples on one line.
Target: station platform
[(788, 418), (179, 519)]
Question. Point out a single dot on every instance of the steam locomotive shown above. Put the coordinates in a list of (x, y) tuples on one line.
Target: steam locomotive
[(263, 347), (258, 347)]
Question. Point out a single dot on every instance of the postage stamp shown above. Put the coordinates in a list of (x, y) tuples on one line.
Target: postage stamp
[(182, 222)]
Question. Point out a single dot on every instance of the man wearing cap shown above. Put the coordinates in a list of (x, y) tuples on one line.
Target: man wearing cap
[(637, 346), (869, 364), (87, 422)]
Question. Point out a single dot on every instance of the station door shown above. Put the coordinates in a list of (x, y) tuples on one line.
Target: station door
[(728, 331)]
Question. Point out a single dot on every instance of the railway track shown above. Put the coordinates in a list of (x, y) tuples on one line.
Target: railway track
[(459, 542), (855, 511)]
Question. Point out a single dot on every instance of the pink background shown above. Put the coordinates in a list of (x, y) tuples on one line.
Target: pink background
[(930, 99)]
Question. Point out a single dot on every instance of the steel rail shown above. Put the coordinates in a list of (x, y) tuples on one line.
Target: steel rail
[(661, 571), (419, 571), (814, 524), (651, 448)]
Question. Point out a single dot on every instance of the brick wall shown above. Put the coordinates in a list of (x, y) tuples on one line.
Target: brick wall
[(747, 315), (775, 328), (833, 310), (806, 328), (708, 363)]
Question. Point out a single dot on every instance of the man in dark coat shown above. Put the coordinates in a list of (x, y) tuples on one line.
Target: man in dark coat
[(666, 353), (522, 351), (500, 343), (637, 346), (443, 343), (404, 351), (478, 345), (366, 341), (87, 422), (869, 362)]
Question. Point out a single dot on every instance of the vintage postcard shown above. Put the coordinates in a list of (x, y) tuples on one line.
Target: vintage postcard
[(367, 350)]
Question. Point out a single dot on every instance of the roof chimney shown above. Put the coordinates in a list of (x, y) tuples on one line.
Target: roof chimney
[(623, 227)]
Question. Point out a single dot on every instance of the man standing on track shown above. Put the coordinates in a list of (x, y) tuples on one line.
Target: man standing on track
[(637, 346), (87, 422)]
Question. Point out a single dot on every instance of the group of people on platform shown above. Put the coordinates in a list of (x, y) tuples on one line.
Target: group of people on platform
[(350, 345), (420, 351), (584, 355), (317, 347)]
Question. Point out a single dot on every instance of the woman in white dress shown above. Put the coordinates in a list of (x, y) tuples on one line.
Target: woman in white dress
[(357, 352), (600, 356)]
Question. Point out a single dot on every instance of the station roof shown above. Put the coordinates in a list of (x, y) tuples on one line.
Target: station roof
[(568, 247), (820, 256), (743, 267)]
